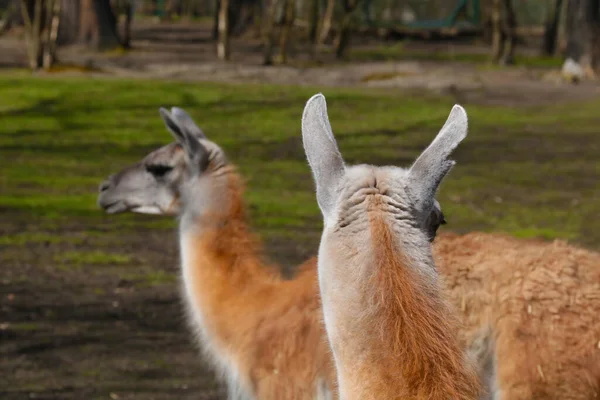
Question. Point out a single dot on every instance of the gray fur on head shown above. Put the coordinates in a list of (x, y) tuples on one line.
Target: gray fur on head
[(184, 120), (185, 134), (433, 164)]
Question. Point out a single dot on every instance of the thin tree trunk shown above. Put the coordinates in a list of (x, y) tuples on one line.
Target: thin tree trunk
[(33, 30), (129, 12), (551, 30), (346, 26), (327, 22), (223, 44), (52, 33), (313, 21), (216, 13), (508, 32), (497, 42), (270, 13), (561, 40), (290, 13)]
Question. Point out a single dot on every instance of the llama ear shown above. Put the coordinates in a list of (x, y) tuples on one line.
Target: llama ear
[(197, 155), (184, 119), (322, 152), (433, 164)]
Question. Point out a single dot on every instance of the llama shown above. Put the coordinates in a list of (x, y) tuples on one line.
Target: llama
[(392, 334), (241, 310), (484, 274)]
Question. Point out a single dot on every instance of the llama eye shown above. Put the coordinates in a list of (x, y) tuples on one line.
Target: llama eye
[(158, 170)]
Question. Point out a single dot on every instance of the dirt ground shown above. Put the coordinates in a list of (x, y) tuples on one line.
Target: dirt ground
[(80, 333)]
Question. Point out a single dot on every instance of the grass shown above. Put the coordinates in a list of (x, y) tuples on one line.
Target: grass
[(60, 137)]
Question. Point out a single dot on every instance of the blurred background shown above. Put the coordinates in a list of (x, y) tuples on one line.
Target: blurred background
[(90, 302)]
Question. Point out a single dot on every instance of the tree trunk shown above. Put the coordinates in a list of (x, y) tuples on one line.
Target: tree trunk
[(327, 22), (551, 30), (508, 30), (68, 31), (268, 31), (215, 28), (346, 26), (313, 21), (290, 14), (583, 30), (503, 32), (53, 7), (129, 13), (496, 19), (98, 25), (223, 44), (32, 17)]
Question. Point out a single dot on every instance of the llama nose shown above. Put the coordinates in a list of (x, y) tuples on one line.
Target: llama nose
[(105, 185)]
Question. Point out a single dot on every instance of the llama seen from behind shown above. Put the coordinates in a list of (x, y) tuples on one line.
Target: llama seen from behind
[(390, 328)]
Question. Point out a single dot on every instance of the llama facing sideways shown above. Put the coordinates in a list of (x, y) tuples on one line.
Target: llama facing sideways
[(392, 333), (264, 335), (485, 275)]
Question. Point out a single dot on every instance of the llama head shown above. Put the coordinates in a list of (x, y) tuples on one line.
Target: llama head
[(153, 185), (405, 196)]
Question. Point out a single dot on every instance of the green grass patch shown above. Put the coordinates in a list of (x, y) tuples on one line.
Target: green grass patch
[(61, 137)]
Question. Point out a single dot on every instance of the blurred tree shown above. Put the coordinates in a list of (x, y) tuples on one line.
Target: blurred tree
[(41, 19), (282, 13), (223, 42), (52, 24), (551, 30), (503, 32), (32, 16), (313, 20), (98, 25), (68, 32), (8, 15), (327, 22), (127, 8), (286, 30), (583, 36), (346, 27)]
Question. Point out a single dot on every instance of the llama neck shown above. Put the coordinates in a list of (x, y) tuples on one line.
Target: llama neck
[(221, 268), (402, 344)]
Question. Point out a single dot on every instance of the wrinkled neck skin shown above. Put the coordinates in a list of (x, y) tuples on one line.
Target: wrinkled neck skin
[(390, 329), (220, 268)]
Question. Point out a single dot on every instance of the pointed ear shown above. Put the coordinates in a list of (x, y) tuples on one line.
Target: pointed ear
[(197, 155), (433, 164), (184, 119), (322, 152)]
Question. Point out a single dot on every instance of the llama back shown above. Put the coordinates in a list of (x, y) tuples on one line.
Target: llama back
[(542, 300)]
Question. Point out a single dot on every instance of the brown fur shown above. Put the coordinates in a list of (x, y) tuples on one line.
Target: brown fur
[(271, 327), (542, 301), (413, 348), (274, 326)]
